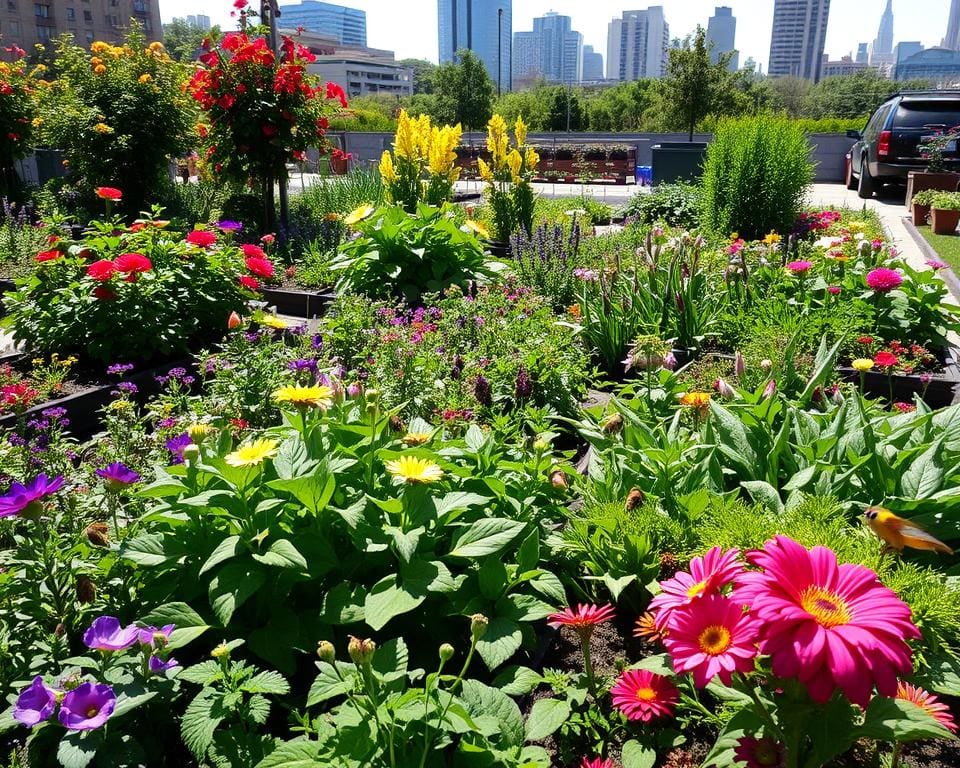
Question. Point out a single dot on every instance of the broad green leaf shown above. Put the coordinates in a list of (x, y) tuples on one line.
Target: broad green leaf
[(924, 476), (635, 755), (150, 549), (743, 723), (313, 491), (460, 500), (500, 642), (390, 659), (328, 685), (267, 681), (487, 537), (180, 615), (303, 753), (764, 493), (517, 681), (200, 720), (225, 550), (388, 599), (545, 717), (78, 748), (898, 720), (484, 703), (343, 605), (282, 554), (231, 587)]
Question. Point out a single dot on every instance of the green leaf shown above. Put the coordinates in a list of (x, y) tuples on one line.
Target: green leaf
[(744, 723), (899, 720), (386, 600), (545, 717), (343, 605), (200, 721), (924, 476), (517, 681), (78, 748), (764, 493), (267, 682), (500, 642), (150, 549), (313, 491), (485, 704), (328, 685), (390, 660), (303, 753), (282, 554), (225, 550), (231, 587), (487, 537), (529, 555), (179, 614), (635, 755), (475, 438), (460, 500)]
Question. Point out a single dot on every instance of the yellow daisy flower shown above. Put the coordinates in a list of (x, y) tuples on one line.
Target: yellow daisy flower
[(862, 364), (199, 432), (272, 321), (477, 228), (417, 438), (316, 396), (358, 214), (411, 469), (252, 454), (698, 400)]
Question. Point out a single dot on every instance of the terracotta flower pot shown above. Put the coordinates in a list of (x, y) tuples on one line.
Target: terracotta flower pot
[(338, 165), (944, 222), (920, 213)]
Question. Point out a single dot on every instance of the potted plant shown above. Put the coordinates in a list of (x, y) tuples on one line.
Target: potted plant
[(945, 213), (936, 176), (921, 203)]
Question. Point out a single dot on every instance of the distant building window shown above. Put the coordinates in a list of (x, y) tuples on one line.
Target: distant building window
[(148, 24), (89, 36), (88, 17), (14, 27), (45, 33), (140, 6), (71, 14), (41, 11), (11, 5)]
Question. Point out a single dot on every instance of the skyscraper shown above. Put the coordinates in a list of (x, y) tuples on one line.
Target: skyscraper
[(482, 26), (637, 45), (863, 55), (553, 50), (721, 36), (799, 35), (884, 43), (347, 25), (952, 40), (592, 64)]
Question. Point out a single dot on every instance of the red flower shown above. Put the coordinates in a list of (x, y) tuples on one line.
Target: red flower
[(102, 270), (268, 239), (239, 4), (108, 193), (269, 130), (234, 321), (260, 267), (103, 293), (48, 255), (885, 359), (583, 618), (250, 283), (334, 91), (202, 238), (239, 423), (642, 695), (133, 262), (249, 249)]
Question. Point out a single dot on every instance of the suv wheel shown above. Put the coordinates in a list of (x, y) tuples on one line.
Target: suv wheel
[(867, 186)]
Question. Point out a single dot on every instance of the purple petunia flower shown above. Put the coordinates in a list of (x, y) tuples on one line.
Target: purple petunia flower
[(117, 476), (27, 498), (158, 666), (127, 388), (316, 341), (303, 365), (176, 445), (229, 226), (87, 707), (54, 414), (118, 369), (106, 634), (35, 703), (177, 373), (151, 636)]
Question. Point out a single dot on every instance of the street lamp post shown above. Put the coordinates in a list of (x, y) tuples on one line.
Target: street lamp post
[(271, 7), (499, 51)]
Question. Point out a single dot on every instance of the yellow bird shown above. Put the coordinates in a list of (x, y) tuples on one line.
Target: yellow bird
[(899, 533)]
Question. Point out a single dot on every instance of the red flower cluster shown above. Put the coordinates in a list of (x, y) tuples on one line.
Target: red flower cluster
[(108, 193), (129, 264), (202, 238), (17, 396), (48, 256)]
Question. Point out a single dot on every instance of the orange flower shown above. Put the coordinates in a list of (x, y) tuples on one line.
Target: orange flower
[(698, 400), (574, 311), (646, 628)]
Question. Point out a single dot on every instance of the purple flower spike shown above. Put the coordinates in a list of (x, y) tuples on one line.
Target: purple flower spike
[(27, 498), (117, 476), (229, 226), (87, 707), (105, 634), (35, 703), (151, 636), (158, 666)]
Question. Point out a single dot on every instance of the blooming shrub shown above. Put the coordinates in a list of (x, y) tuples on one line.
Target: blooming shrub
[(132, 294), (261, 110), (18, 87), (119, 114), (508, 176)]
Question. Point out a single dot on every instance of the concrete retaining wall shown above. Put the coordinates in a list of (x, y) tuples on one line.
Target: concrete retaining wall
[(829, 149)]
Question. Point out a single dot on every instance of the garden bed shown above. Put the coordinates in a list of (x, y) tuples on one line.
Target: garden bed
[(298, 302), (942, 389)]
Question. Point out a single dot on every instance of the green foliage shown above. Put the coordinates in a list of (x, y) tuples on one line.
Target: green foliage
[(119, 114), (464, 92), (184, 41), (946, 201), (855, 95), (693, 83), (546, 262), (403, 254), (424, 73), (20, 240), (677, 205), (755, 176)]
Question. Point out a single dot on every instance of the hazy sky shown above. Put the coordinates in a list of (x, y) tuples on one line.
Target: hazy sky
[(409, 27)]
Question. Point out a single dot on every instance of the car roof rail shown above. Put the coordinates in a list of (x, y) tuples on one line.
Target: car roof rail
[(929, 92)]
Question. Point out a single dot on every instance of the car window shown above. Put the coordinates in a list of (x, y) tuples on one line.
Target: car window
[(878, 119), (920, 114)]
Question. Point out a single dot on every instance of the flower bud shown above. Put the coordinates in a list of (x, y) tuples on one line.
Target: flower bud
[(725, 390), (739, 364), (98, 534), (222, 651), (612, 424), (558, 479), (86, 590), (234, 321), (478, 625), (771, 389), (670, 361), (361, 651), (541, 445), (326, 651), (446, 652), (766, 365), (191, 452)]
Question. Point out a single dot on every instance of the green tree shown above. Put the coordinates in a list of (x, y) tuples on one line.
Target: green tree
[(693, 83), (854, 95), (423, 74), (183, 41), (464, 92), (532, 105), (566, 111)]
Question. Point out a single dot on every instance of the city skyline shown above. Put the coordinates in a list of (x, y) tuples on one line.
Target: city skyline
[(410, 29)]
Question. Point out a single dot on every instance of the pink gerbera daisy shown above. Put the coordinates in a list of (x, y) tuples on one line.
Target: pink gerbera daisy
[(643, 695), (583, 618), (883, 280), (800, 267), (828, 625), (928, 703), (597, 762), (707, 574), (711, 637), (759, 753)]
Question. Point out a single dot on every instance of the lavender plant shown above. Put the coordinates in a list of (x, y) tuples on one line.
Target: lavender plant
[(546, 260)]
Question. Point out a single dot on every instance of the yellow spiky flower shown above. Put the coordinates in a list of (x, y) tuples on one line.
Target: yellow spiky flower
[(520, 131), (515, 163), (485, 172), (532, 159), (387, 171), (405, 143), (412, 469), (497, 139), (316, 396), (424, 133)]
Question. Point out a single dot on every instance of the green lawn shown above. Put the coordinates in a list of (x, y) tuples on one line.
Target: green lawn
[(947, 246)]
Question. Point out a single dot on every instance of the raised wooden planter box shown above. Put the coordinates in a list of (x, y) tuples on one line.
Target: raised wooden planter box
[(944, 222), (917, 181), (304, 303), (920, 214), (942, 390), (84, 407)]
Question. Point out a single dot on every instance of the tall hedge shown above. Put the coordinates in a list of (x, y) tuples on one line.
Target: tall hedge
[(756, 175)]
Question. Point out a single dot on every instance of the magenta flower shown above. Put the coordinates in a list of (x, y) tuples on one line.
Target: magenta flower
[(35, 703), (834, 290), (936, 265), (106, 634), (759, 753), (176, 445), (158, 666), (711, 637), (583, 618), (155, 638), (87, 707), (800, 267), (828, 625), (707, 576), (117, 476), (597, 762), (642, 695), (27, 498), (883, 280)]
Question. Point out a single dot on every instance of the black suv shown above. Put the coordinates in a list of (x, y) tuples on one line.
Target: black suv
[(890, 145)]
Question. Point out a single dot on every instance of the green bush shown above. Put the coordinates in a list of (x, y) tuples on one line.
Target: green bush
[(755, 176), (678, 205)]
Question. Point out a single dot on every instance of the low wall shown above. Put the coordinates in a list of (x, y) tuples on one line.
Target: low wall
[(829, 149)]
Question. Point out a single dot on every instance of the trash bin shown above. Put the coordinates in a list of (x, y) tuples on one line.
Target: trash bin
[(677, 161), (644, 175), (49, 164)]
